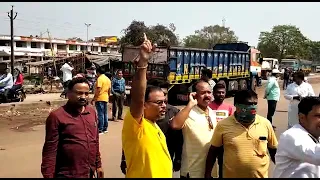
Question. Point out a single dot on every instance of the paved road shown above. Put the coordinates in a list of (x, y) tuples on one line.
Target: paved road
[(21, 156)]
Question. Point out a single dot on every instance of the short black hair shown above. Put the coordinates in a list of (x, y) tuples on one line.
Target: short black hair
[(219, 86), (158, 82), (101, 70), (194, 86), (242, 96), (75, 81), (207, 72), (299, 75), (149, 90), (307, 103)]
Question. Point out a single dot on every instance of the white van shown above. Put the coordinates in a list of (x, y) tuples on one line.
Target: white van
[(317, 69)]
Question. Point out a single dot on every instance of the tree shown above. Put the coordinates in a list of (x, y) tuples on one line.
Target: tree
[(75, 39), (283, 41), (159, 34), (209, 36)]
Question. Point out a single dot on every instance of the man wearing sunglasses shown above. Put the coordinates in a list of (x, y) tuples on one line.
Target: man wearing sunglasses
[(197, 122), (174, 138), (246, 139), (143, 142)]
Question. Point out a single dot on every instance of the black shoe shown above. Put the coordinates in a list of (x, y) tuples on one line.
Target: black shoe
[(120, 118)]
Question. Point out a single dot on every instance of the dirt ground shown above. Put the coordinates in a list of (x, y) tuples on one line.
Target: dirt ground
[(22, 133)]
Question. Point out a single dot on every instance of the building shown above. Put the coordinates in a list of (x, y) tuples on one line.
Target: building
[(40, 48)]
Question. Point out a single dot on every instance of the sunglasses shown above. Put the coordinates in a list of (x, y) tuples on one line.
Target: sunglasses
[(159, 103), (209, 122)]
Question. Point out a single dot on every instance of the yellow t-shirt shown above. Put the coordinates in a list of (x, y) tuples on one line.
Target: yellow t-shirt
[(104, 83), (145, 149), (245, 149)]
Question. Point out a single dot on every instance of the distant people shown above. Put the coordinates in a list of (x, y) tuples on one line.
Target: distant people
[(6, 83), (286, 78), (100, 99), (246, 139), (298, 154), (66, 77), (206, 75), (272, 94), (222, 111), (71, 147), (118, 89), (197, 122), (294, 93), (18, 80), (143, 142)]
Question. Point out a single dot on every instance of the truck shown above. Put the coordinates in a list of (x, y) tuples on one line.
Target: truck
[(181, 67), (297, 64), (267, 65)]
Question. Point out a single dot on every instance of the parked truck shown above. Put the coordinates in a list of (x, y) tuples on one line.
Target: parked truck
[(181, 67), (296, 65), (267, 65)]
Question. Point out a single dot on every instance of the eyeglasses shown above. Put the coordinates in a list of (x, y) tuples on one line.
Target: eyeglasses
[(209, 122), (159, 103)]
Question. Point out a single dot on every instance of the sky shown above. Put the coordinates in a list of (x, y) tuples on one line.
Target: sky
[(247, 19)]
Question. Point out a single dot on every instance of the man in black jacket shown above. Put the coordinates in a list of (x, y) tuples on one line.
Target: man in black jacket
[(174, 137)]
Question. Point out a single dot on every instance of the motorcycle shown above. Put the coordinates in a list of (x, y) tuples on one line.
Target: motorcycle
[(17, 95)]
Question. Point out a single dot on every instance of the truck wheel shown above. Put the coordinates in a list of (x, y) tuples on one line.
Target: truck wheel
[(253, 84), (243, 84), (223, 82)]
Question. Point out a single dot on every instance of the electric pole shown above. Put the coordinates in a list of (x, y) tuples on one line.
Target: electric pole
[(88, 25), (10, 15), (223, 22)]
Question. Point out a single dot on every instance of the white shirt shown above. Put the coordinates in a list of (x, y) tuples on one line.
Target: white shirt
[(298, 156), (7, 80), (304, 90), (197, 137), (212, 84), (67, 72)]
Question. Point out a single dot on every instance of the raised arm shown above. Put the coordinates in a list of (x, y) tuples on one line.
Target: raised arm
[(139, 82), (179, 120)]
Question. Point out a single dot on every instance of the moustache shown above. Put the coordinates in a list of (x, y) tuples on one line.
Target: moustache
[(82, 100), (206, 98)]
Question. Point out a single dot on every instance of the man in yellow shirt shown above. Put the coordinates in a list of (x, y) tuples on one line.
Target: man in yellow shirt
[(101, 99), (246, 138), (143, 142)]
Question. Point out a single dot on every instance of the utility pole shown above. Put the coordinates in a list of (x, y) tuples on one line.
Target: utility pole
[(223, 22), (10, 15), (88, 25)]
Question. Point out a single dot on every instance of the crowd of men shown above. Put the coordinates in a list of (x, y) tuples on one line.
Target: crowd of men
[(207, 138)]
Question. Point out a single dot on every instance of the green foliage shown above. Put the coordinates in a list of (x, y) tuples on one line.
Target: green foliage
[(208, 36)]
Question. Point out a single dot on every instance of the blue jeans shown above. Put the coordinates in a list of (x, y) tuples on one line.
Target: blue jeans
[(102, 110)]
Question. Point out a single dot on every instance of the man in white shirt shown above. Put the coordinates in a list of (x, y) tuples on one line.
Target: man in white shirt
[(294, 93), (197, 122), (6, 83), (66, 77), (298, 154)]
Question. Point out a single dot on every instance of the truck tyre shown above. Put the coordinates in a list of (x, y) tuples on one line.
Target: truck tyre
[(243, 84), (224, 83), (253, 84)]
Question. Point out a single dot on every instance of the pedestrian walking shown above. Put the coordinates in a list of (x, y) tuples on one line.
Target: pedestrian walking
[(102, 93), (298, 154), (118, 89), (66, 77), (71, 147), (272, 94), (143, 142), (246, 139), (197, 122), (286, 78), (294, 93)]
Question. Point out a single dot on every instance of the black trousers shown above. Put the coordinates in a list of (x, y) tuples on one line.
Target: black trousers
[(285, 83), (272, 105), (65, 88), (117, 104)]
